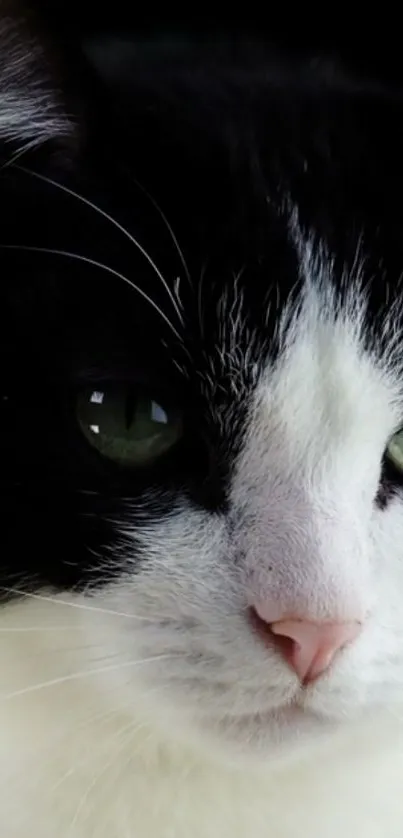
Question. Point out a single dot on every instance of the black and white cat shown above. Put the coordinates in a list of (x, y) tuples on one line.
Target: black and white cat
[(201, 568)]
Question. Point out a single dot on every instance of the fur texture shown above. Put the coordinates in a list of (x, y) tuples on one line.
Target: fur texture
[(224, 237)]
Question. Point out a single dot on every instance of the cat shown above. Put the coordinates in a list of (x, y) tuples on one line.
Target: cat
[(201, 567)]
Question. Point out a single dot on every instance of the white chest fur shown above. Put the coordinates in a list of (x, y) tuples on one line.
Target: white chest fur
[(71, 767), (85, 790)]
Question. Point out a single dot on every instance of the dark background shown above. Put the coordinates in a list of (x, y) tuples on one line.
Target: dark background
[(369, 43)]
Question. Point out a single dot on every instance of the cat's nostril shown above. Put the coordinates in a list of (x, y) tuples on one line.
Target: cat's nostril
[(284, 645), (308, 646)]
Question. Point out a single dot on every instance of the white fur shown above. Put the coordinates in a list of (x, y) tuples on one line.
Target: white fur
[(151, 709)]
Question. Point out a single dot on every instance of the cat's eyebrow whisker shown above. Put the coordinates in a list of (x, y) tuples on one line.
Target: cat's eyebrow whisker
[(24, 149), (86, 260), (80, 605), (112, 221), (200, 310), (84, 673), (168, 226)]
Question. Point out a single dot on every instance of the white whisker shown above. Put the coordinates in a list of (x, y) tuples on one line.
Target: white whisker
[(28, 146), (200, 308), (29, 629), (177, 285), (73, 769), (168, 226), (99, 718), (85, 673), (95, 264), (80, 605), (112, 221), (116, 739)]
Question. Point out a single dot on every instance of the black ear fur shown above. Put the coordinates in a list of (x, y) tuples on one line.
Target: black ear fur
[(34, 105)]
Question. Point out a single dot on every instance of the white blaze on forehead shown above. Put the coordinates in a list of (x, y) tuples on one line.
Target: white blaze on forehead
[(325, 393), (309, 470), (326, 389)]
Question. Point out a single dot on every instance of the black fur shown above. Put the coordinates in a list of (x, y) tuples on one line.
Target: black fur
[(225, 134)]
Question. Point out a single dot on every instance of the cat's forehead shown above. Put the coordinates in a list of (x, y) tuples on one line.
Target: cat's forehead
[(322, 393), (324, 353)]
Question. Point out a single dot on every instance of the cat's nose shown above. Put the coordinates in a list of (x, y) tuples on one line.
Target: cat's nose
[(308, 646)]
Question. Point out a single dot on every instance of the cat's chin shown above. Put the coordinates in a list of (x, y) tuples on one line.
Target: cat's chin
[(274, 735), (280, 728)]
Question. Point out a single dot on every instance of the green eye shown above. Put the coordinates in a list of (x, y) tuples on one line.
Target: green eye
[(129, 428), (395, 450)]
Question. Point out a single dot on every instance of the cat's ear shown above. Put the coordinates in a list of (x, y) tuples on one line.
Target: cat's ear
[(33, 104)]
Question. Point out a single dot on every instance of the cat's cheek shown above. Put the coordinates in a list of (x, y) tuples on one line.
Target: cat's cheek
[(387, 539)]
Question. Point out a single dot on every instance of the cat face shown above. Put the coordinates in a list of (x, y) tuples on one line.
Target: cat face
[(203, 389)]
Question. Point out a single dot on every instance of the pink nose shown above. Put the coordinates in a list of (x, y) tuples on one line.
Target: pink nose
[(308, 646)]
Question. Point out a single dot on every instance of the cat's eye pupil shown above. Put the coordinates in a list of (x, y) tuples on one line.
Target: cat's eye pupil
[(130, 407), (126, 425)]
